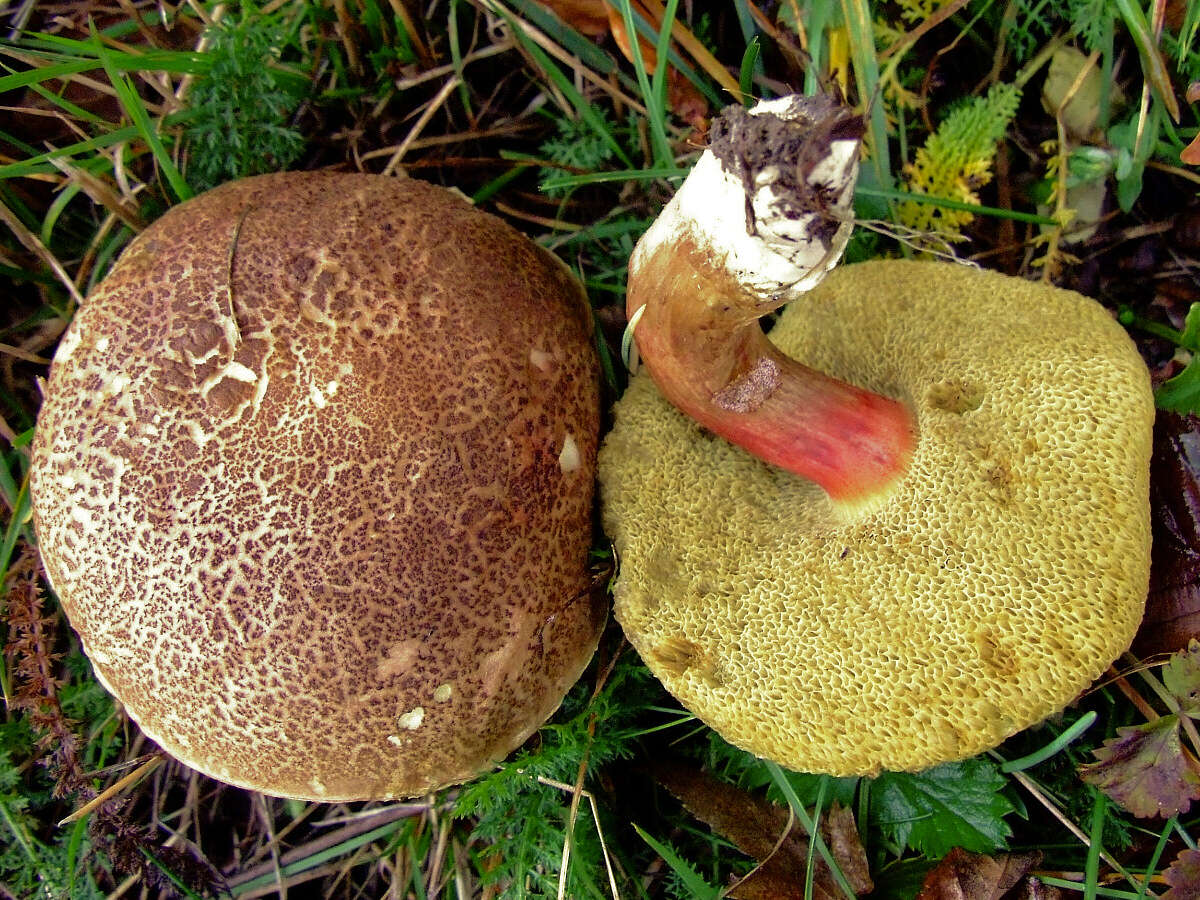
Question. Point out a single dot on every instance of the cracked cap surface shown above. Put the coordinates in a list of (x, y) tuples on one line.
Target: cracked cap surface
[(1004, 573), (313, 479)]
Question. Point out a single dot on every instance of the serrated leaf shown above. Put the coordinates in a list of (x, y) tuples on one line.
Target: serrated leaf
[(1190, 336), (952, 805), (1181, 394), (1183, 876), (686, 872), (1146, 770), (1181, 676)]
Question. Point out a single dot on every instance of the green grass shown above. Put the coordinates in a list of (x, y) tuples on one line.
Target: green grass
[(580, 146)]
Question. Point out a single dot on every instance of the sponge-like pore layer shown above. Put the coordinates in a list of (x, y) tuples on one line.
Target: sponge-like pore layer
[(1001, 576)]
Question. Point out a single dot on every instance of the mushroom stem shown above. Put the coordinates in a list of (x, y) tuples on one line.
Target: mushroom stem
[(761, 219)]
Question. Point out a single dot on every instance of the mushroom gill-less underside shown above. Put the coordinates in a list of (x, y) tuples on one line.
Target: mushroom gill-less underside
[(1004, 572), (313, 479)]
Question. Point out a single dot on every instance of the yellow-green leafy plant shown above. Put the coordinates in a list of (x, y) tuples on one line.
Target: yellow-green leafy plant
[(956, 161)]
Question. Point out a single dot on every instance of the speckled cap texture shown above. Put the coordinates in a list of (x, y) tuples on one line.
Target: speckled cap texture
[(1003, 573), (313, 479)]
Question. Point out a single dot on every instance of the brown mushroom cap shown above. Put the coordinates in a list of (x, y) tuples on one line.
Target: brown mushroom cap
[(1003, 574), (313, 479)]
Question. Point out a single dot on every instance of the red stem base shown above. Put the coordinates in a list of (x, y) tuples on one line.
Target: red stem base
[(700, 339)]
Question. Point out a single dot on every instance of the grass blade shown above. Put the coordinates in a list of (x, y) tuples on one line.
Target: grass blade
[(653, 95), (692, 880), (860, 26), (1077, 728), (585, 109), (136, 110), (1153, 66), (810, 826)]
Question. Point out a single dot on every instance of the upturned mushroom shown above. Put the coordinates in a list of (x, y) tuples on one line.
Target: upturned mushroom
[(966, 545), (313, 481)]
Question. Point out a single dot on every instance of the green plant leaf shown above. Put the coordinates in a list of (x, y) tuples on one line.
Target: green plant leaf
[(1153, 67), (1181, 394), (1181, 674), (692, 879), (957, 804), (1190, 337)]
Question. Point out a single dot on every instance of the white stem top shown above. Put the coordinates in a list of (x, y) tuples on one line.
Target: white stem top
[(775, 243)]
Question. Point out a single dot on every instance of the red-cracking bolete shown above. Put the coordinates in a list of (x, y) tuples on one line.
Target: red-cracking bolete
[(313, 480), (910, 522)]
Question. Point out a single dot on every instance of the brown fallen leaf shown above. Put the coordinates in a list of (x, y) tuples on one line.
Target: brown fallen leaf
[(1173, 606), (588, 17), (1191, 153), (755, 827), (1184, 877), (975, 876)]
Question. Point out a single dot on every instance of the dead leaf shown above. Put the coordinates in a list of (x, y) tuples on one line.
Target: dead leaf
[(1181, 676), (1191, 153), (1146, 769), (755, 825), (588, 17), (1173, 607), (975, 876), (1183, 876)]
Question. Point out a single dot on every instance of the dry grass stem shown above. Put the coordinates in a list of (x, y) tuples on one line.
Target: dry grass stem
[(577, 791), (556, 224), (433, 74), (103, 195), (25, 356), (426, 114), (499, 20), (378, 818), (34, 244), (1119, 680), (410, 29), (272, 843), (1026, 782), (787, 830), (513, 129), (698, 52), (436, 860), (113, 790)]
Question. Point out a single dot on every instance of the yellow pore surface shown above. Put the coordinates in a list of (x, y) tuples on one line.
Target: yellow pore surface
[(1004, 572)]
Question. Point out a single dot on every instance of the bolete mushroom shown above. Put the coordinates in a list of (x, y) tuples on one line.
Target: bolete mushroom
[(313, 481), (968, 545)]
